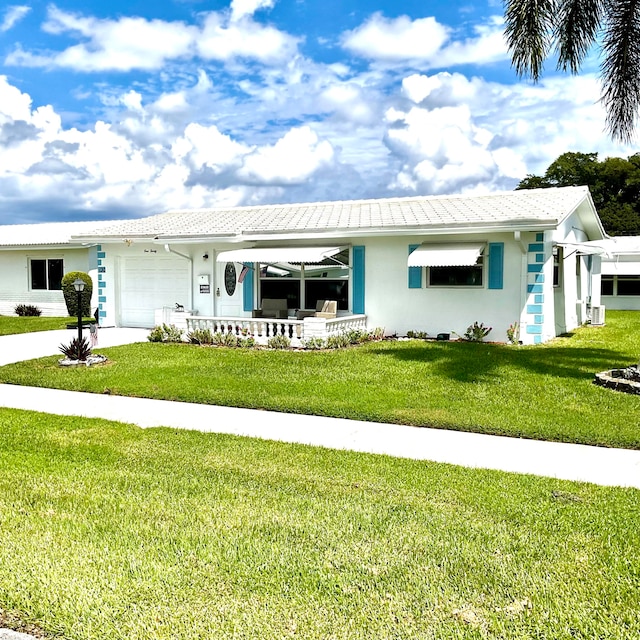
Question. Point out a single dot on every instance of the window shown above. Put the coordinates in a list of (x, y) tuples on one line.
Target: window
[(629, 285), (47, 274), (304, 284), (457, 276), (620, 286), (557, 263), (606, 286)]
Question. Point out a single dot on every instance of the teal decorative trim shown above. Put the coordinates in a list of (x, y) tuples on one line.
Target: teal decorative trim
[(538, 319), (534, 288), (538, 298), (357, 279), (533, 248), (534, 329), (534, 268), (248, 285), (101, 299), (539, 257), (539, 237), (537, 339), (415, 273), (496, 265), (539, 278), (101, 254), (534, 308)]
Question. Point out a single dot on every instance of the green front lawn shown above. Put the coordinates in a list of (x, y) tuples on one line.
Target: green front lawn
[(110, 531), (13, 324), (542, 392)]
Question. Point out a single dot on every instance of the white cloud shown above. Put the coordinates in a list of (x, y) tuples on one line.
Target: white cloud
[(425, 41), (456, 135), (13, 15), (401, 38), (291, 160), (242, 8), (137, 43)]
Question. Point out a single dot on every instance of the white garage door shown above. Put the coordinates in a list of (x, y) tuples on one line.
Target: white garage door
[(151, 282)]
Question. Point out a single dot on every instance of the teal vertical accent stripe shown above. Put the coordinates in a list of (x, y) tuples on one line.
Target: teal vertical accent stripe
[(415, 273), (247, 287), (496, 265), (357, 279)]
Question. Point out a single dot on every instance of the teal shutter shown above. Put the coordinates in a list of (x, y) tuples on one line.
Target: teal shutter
[(496, 265), (357, 279), (247, 287), (415, 273)]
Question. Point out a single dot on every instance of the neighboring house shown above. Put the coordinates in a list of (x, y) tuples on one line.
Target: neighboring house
[(33, 259), (621, 273), (435, 264)]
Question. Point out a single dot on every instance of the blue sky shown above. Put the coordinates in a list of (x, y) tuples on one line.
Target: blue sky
[(114, 110)]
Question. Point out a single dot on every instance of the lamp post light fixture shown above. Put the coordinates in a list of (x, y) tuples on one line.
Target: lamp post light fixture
[(78, 285)]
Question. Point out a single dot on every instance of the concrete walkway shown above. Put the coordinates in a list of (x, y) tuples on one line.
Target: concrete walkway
[(615, 467)]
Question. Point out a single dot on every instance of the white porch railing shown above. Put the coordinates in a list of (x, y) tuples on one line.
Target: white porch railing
[(261, 329)]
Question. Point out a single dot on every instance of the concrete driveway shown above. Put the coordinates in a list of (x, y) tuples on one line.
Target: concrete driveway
[(27, 346)]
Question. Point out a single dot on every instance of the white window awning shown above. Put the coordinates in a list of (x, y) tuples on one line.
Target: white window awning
[(446, 255), (271, 255)]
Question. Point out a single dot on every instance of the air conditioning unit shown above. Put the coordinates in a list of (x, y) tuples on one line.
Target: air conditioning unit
[(597, 316)]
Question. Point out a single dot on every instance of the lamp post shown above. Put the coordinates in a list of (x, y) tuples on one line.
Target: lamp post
[(78, 285)]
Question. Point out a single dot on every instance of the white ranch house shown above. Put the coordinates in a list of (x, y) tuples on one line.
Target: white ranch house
[(426, 263)]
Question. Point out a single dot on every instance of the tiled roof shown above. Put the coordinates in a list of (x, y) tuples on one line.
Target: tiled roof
[(47, 233), (534, 207)]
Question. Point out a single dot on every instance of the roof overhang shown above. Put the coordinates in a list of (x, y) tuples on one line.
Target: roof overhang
[(463, 254), (270, 255)]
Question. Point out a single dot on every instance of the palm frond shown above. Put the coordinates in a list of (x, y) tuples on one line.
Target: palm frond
[(529, 29), (621, 67), (577, 23)]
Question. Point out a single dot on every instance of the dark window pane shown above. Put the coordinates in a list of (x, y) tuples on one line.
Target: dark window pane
[(55, 274), (606, 286), (38, 274), (282, 288), (325, 289), (455, 276), (629, 286)]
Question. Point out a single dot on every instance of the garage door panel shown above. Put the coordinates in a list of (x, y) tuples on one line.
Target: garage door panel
[(149, 283)]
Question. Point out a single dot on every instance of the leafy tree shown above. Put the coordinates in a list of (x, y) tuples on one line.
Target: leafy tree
[(569, 29), (614, 184), (71, 295)]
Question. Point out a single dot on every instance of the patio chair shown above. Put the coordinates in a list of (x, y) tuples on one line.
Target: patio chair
[(272, 308), (329, 310), (301, 314)]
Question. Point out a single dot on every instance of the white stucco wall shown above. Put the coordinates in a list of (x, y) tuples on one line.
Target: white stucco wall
[(391, 304), (15, 282)]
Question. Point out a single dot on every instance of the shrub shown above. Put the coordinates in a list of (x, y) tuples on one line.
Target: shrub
[(338, 341), (247, 343), (417, 335), (279, 342), (513, 333), (476, 332), (314, 343), (165, 333), (76, 349), (200, 336), (27, 310), (71, 295)]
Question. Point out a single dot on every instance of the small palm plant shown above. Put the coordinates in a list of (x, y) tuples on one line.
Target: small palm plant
[(76, 349)]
